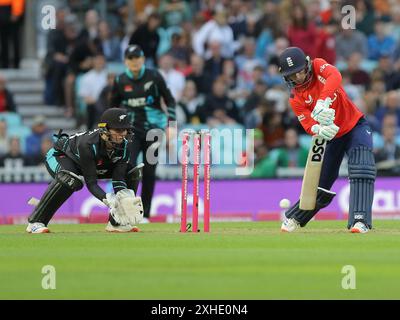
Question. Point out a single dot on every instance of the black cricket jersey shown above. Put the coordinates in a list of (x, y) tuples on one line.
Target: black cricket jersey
[(141, 97), (89, 152)]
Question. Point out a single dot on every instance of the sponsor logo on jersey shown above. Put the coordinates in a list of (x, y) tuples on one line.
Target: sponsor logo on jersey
[(147, 85), (100, 162), (321, 79), (128, 88), (101, 171), (301, 117), (310, 99), (322, 68), (137, 102)]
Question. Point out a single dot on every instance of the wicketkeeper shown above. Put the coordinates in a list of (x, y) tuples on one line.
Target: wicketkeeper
[(85, 157), (323, 108)]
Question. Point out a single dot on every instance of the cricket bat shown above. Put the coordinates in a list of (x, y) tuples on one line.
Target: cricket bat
[(312, 172)]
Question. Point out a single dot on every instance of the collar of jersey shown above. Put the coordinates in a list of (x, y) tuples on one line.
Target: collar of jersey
[(131, 76)]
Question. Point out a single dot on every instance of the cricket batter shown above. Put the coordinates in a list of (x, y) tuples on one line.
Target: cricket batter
[(102, 153), (323, 108), (139, 90)]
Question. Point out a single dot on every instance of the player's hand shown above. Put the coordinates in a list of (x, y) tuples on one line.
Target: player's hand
[(322, 113), (326, 132)]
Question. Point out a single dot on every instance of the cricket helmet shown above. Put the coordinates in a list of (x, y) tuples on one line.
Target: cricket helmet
[(291, 61)]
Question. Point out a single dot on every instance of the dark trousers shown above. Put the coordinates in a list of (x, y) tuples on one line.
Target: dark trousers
[(360, 135), (149, 170), (9, 33)]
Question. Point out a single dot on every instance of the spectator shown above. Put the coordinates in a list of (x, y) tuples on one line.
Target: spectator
[(34, 140), (237, 18), (39, 159), (291, 154), (198, 76), (391, 76), (7, 103), (218, 108), (216, 30), (357, 75), (91, 85), (146, 36), (272, 129), (264, 165), (3, 137), (60, 44), (256, 96), (365, 17), (301, 32), (180, 51), (188, 105), (254, 117), (14, 159), (91, 30), (349, 41), (326, 42), (391, 105), (109, 43), (103, 102), (370, 104), (395, 23), (214, 65), (390, 151), (174, 79), (247, 60), (11, 13), (174, 13), (380, 43)]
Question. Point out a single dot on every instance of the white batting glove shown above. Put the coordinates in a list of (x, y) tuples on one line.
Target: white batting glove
[(322, 113), (326, 132)]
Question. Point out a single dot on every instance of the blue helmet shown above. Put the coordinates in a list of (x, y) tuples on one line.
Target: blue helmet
[(291, 61)]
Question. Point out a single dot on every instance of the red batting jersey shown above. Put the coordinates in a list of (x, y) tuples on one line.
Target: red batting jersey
[(326, 83)]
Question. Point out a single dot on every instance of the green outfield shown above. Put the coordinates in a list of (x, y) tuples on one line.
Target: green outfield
[(235, 261)]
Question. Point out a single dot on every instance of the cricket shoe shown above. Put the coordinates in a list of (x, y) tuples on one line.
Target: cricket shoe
[(289, 225), (37, 227), (359, 227), (125, 228)]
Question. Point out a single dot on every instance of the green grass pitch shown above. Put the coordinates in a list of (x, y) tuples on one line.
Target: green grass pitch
[(247, 260)]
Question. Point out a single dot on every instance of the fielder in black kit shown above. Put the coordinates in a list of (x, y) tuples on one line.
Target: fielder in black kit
[(139, 90), (102, 153)]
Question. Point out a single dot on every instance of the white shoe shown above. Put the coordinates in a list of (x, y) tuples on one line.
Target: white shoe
[(359, 227), (289, 225), (37, 227), (125, 228), (145, 220)]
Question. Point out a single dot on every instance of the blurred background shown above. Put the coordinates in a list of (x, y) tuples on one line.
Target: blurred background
[(219, 59)]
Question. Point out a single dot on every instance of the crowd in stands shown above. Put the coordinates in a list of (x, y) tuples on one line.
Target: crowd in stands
[(219, 58)]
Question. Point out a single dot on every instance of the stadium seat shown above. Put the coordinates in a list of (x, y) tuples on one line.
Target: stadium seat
[(13, 119), (21, 132)]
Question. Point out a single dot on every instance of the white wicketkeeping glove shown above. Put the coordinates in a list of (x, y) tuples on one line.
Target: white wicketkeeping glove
[(116, 212), (110, 200), (322, 113), (326, 132), (130, 206)]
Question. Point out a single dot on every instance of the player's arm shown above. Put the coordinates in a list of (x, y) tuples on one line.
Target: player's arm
[(167, 96), (310, 125), (332, 76), (116, 98), (88, 165)]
